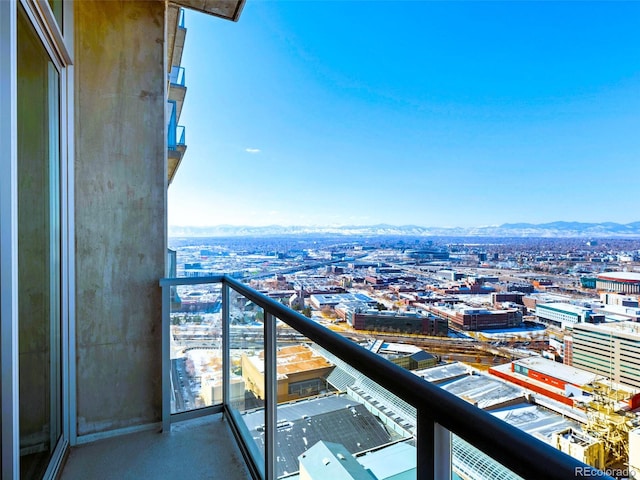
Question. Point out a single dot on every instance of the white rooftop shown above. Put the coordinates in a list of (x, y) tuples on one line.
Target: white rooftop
[(537, 421), (399, 348), (557, 370), (443, 372), (629, 328), (484, 391), (623, 276), (567, 307)]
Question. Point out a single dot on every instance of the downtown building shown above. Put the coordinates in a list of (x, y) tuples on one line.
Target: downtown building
[(415, 322), (468, 318), (565, 315), (611, 350)]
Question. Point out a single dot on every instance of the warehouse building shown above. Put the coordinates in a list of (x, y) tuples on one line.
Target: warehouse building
[(554, 380)]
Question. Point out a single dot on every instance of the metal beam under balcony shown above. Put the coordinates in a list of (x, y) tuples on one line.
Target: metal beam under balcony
[(227, 9), (199, 448)]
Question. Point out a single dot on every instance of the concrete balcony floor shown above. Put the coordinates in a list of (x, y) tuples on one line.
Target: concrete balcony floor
[(203, 448)]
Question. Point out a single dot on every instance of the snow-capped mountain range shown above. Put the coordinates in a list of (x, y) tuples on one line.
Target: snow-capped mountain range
[(549, 230)]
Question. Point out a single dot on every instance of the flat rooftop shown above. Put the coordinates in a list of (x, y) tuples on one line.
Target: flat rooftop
[(293, 359), (397, 461), (484, 391), (442, 373), (403, 348), (333, 418), (557, 370), (628, 328), (537, 421)]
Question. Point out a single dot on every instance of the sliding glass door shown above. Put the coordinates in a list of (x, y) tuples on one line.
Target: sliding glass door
[(39, 251)]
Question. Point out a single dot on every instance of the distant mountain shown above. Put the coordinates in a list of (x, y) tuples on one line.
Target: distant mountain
[(550, 230)]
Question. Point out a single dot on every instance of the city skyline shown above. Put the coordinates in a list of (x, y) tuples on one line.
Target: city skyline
[(443, 114)]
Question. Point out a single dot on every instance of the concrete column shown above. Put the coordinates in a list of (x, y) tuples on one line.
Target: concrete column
[(120, 202)]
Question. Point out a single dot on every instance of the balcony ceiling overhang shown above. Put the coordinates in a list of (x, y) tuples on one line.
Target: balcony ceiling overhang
[(227, 9)]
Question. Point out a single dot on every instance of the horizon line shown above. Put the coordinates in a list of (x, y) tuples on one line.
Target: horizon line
[(398, 225)]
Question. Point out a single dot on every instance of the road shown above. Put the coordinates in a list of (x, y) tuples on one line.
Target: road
[(181, 387)]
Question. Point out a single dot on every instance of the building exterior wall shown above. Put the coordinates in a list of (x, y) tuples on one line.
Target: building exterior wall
[(619, 300), (613, 354), (586, 449), (567, 357), (398, 323), (562, 315), (521, 382), (634, 451), (541, 377), (618, 286), (472, 320), (120, 193), (254, 379)]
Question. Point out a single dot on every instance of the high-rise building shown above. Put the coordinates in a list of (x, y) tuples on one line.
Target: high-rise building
[(611, 350)]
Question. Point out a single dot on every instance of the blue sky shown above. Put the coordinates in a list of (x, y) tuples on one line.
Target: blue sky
[(419, 112)]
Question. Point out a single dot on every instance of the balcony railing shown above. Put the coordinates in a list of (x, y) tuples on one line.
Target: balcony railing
[(176, 134), (248, 336), (181, 21), (180, 135), (177, 76)]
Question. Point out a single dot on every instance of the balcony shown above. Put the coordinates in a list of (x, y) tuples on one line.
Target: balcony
[(229, 9), (234, 406), (177, 76), (185, 452), (176, 34), (176, 140), (230, 350), (177, 89)]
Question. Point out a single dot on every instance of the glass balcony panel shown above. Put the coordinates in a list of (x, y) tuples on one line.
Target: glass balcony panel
[(196, 346), (330, 416), (177, 76), (172, 125), (180, 135), (246, 373), (467, 462)]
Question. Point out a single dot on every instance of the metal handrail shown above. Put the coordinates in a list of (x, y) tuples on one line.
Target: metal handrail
[(518, 451)]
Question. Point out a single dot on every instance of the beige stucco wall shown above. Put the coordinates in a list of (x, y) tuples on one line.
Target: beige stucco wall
[(120, 211)]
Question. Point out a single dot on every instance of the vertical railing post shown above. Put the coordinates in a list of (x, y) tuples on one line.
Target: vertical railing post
[(442, 452), (166, 358), (271, 395), (226, 348), (425, 443), (433, 445)]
